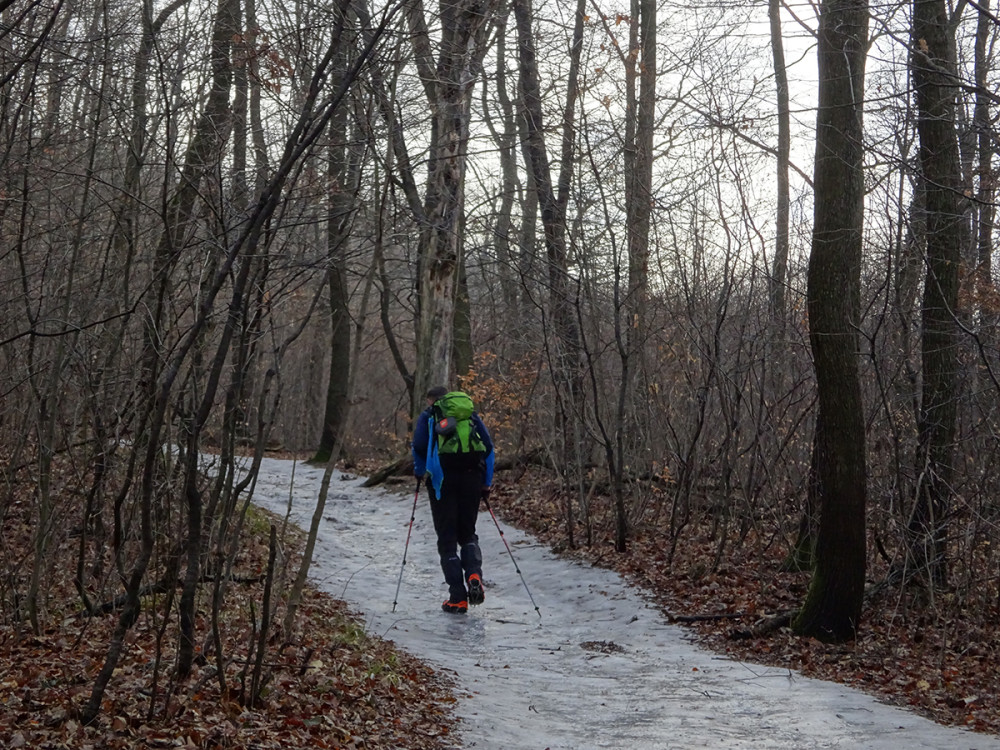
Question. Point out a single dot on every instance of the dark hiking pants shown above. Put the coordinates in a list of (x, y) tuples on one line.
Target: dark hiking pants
[(455, 514)]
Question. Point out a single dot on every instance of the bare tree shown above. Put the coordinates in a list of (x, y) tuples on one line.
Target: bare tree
[(832, 609), (448, 83), (934, 80), (779, 263), (640, 112), (344, 169), (552, 205)]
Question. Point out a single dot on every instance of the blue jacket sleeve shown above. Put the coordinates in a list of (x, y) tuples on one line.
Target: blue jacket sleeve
[(484, 435), (419, 444)]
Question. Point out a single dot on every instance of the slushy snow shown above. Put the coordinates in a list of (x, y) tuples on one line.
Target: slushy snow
[(600, 668)]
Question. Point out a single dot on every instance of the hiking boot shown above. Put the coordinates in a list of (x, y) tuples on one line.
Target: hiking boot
[(477, 594), (455, 608)]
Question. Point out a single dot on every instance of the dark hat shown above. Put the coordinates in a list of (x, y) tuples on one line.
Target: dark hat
[(437, 392)]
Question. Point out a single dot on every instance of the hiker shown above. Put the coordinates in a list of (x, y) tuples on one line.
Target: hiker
[(452, 445)]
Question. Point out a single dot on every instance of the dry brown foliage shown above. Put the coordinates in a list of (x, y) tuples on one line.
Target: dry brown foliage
[(328, 684)]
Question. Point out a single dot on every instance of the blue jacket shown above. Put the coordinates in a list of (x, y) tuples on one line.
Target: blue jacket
[(425, 454)]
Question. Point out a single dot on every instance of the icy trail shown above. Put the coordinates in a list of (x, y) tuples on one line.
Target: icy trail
[(599, 669)]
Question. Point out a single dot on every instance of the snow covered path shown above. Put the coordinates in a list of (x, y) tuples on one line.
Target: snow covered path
[(599, 669)]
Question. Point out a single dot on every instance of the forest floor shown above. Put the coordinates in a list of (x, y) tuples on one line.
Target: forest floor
[(332, 685), (327, 685)]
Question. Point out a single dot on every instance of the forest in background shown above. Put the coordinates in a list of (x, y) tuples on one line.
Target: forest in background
[(240, 225)]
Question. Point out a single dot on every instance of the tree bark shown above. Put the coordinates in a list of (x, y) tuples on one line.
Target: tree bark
[(505, 240), (986, 194), (935, 83), (343, 177), (832, 608), (552, 203), (631, 333), (449, 90), (779, 263)]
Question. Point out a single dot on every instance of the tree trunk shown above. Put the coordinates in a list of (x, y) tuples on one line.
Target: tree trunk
[(449, 91), (779, 264), (462, 349), (213, 127), (986, 194), (640, 63), (343, 175), (832, 609), (506, 244), (639, 164), (933, 76), (552, 205)]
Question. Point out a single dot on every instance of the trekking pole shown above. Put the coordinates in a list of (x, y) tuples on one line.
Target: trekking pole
[(504, 539), (413, 514)]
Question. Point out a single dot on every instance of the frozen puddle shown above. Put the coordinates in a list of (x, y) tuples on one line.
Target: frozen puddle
[(599, 669)]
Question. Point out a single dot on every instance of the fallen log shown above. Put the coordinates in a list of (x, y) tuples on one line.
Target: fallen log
[(404, 466), (399, 466), (533, 456), (765, 627)]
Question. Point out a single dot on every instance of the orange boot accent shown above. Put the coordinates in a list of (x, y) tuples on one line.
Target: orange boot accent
[(477, 593)]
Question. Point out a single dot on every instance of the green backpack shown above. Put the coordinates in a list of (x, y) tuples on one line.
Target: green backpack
[(453, 425)]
